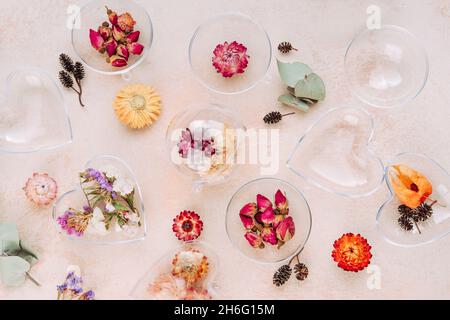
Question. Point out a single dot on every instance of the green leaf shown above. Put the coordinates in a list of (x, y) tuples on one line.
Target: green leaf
[(291, 73), (311, 87), (292, 101), (9, 237), (13, 271)]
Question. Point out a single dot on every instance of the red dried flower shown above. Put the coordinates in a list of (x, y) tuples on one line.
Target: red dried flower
[(230, 59), (352, 253), (187, 226)]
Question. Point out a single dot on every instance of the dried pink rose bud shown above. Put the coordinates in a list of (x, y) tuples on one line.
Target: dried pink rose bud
[(254, 240), (96, 39), (123, 51), (118, 61), (111, 47), (126, 22), (112, 16), (133, 36), (41, 189), (286, 229), (135, 48), (118, 34), (105, 32), (269, 235), (268, 216), (263, 203), (281, 202)]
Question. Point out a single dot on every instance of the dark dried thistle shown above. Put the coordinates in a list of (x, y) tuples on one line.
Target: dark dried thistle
[(275, 117), (405, 223), (282, 275), (286, 47)]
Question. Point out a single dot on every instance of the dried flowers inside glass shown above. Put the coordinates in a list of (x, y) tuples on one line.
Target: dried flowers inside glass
[(230, 58), (41, 189), (266, 225), (117, 38), (186, 280), (205, 146), (72, 288), (413, 190), (110, 205), (352, 252)]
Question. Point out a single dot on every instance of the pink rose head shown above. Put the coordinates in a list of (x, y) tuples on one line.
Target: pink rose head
[(277, 220), (118, 61), (105, 32), (263, 203), (97, 41), (258, 217), (249, 210), (133, 36), (286, 229), (247, 221), (135, 48), (111, 47), (269, 235), (123, 51), (112, 16), (126, 22), (254, 240), (118, 34), (281, 202), (268, 216)]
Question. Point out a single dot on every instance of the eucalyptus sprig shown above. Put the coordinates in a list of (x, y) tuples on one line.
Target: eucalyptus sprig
[(304, 87)]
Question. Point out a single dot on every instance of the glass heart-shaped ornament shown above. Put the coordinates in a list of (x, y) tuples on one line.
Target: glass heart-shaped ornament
[(105, 207), (187, 272), (418, 230), (334, 154), (33, 115)]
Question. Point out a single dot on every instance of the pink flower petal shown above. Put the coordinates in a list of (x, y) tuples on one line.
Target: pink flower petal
[(263, 203), (96, 39)]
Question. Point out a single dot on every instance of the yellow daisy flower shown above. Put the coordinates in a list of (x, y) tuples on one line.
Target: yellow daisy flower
[(137, 105)]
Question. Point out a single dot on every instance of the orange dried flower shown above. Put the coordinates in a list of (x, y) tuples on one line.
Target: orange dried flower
[(352, 253), (190, 265), (410, 186), (41, 189)]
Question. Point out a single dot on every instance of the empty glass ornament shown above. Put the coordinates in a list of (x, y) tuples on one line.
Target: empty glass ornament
[(386, 67), (334, 154), (33, 115)]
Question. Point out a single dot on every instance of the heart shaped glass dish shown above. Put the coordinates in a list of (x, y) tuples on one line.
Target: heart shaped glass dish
[(245, 235), (105, 207), (33, 115), (437, 221), (230, 53), (334, 154), (185, 273), (91, 16), (386, 67), (203, 142)]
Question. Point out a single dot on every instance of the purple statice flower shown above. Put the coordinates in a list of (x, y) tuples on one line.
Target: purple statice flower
[(100, 178), (69, 228)]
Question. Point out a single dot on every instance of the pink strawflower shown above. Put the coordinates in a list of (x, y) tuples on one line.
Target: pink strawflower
[(41, 189), (230, 58)]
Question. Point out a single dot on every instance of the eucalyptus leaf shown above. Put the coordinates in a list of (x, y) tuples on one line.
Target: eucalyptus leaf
[(311, 87), (13, 271), (9, 237), (292, 72), (292, 101)]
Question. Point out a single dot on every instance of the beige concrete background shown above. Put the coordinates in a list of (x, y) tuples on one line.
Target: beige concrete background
[(34, 33)]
